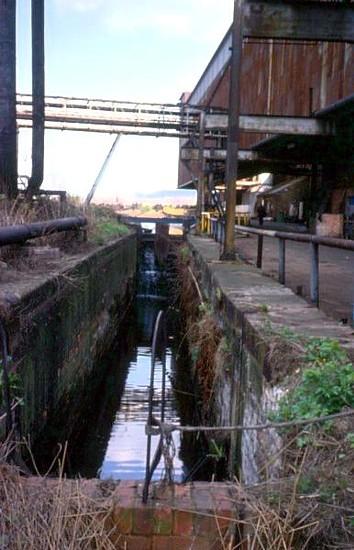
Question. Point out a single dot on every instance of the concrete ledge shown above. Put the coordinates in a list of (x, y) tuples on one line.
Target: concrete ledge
[(60, 322), (252, 297)]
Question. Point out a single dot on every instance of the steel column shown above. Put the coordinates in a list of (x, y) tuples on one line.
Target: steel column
[(315, 276), (200, 189), (259, 251), (101, 172), (233, 131), (38, 92), (281, 264), (8, 131)]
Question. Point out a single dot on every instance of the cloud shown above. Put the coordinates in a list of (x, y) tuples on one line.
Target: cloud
[(199, 20), (163, 22), (79, 5)]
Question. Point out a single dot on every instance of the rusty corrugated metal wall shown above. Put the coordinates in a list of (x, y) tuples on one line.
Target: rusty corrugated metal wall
[(281, 78), (285, 78)]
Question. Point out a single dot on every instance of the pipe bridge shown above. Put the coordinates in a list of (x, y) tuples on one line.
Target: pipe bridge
[(158, 119)]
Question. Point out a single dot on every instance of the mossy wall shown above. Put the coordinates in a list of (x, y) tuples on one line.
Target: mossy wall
[(238, 392), (59, 329)]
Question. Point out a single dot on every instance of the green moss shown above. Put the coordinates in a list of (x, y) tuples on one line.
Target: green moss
[(16, 389), (184, 253)]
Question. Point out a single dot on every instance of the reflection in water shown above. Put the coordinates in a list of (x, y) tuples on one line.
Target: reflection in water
[(114, 443), (126, 450), (109, 439)]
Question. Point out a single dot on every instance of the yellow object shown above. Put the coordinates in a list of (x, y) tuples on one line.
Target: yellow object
[(206, 223), (242, 219)]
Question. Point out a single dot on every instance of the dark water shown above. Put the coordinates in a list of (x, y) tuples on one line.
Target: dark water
[(110, 441)]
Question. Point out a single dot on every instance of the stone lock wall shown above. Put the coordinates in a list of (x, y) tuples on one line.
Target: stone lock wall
[(59, 326), (247, 306)]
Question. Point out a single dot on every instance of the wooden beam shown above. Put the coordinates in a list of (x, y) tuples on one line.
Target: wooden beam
[(269, 124), (299, 20)]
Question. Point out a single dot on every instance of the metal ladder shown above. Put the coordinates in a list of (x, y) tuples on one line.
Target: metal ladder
[(159, 336)]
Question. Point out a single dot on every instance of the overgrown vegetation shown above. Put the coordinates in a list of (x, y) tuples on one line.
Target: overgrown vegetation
[(104, 225), (326, 383), (202, 332), (14, 383), (310, 502), (51, 514)]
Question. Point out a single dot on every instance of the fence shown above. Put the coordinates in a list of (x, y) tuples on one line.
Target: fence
[(216, 229)]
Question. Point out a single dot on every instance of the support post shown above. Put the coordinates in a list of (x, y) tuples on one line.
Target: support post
[(281, 264), (200, 194), (315, 276), (38, 93), (101, 172), (8, 131), (233, 132), (259, 251)]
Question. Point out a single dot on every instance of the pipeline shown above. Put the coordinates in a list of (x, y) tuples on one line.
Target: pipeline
[(13, 234)]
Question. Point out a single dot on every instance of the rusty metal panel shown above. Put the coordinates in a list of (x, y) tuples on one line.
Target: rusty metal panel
[(301, 20), (287, 78)]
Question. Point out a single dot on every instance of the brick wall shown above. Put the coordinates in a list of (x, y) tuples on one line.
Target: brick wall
[(180, 517)]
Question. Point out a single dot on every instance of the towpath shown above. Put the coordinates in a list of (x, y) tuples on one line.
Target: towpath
[(336, 271)]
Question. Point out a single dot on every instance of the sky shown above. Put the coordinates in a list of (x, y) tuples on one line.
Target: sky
[(136, 50)]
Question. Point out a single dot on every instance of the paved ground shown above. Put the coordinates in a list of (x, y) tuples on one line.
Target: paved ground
[(336, 272), (246, 291)]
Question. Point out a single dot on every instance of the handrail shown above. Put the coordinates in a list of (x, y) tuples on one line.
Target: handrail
[(344, 244), (159, 329), (217, 231)]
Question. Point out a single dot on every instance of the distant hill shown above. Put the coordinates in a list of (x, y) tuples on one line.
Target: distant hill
[(168, 196)]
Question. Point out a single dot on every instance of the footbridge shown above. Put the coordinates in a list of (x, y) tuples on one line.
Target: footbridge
[(185, 220)]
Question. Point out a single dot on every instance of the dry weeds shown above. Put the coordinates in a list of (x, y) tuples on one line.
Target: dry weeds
[(53, 514)]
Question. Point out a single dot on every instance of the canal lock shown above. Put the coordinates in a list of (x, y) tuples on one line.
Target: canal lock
[(107, 436)]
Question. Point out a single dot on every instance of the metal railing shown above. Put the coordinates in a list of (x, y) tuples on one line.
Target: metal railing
[(159, 335), (217, 231)]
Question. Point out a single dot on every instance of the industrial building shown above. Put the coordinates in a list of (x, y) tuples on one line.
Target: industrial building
[(301, 77)]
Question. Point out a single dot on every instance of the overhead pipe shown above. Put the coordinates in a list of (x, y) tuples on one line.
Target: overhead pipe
[(8, 131), (38, 93), (17, 234)]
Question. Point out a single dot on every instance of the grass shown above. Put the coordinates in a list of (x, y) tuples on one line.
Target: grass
[(102, 227), (106, 229)]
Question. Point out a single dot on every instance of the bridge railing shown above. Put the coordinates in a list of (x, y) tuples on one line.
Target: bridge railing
[(217, 232)]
